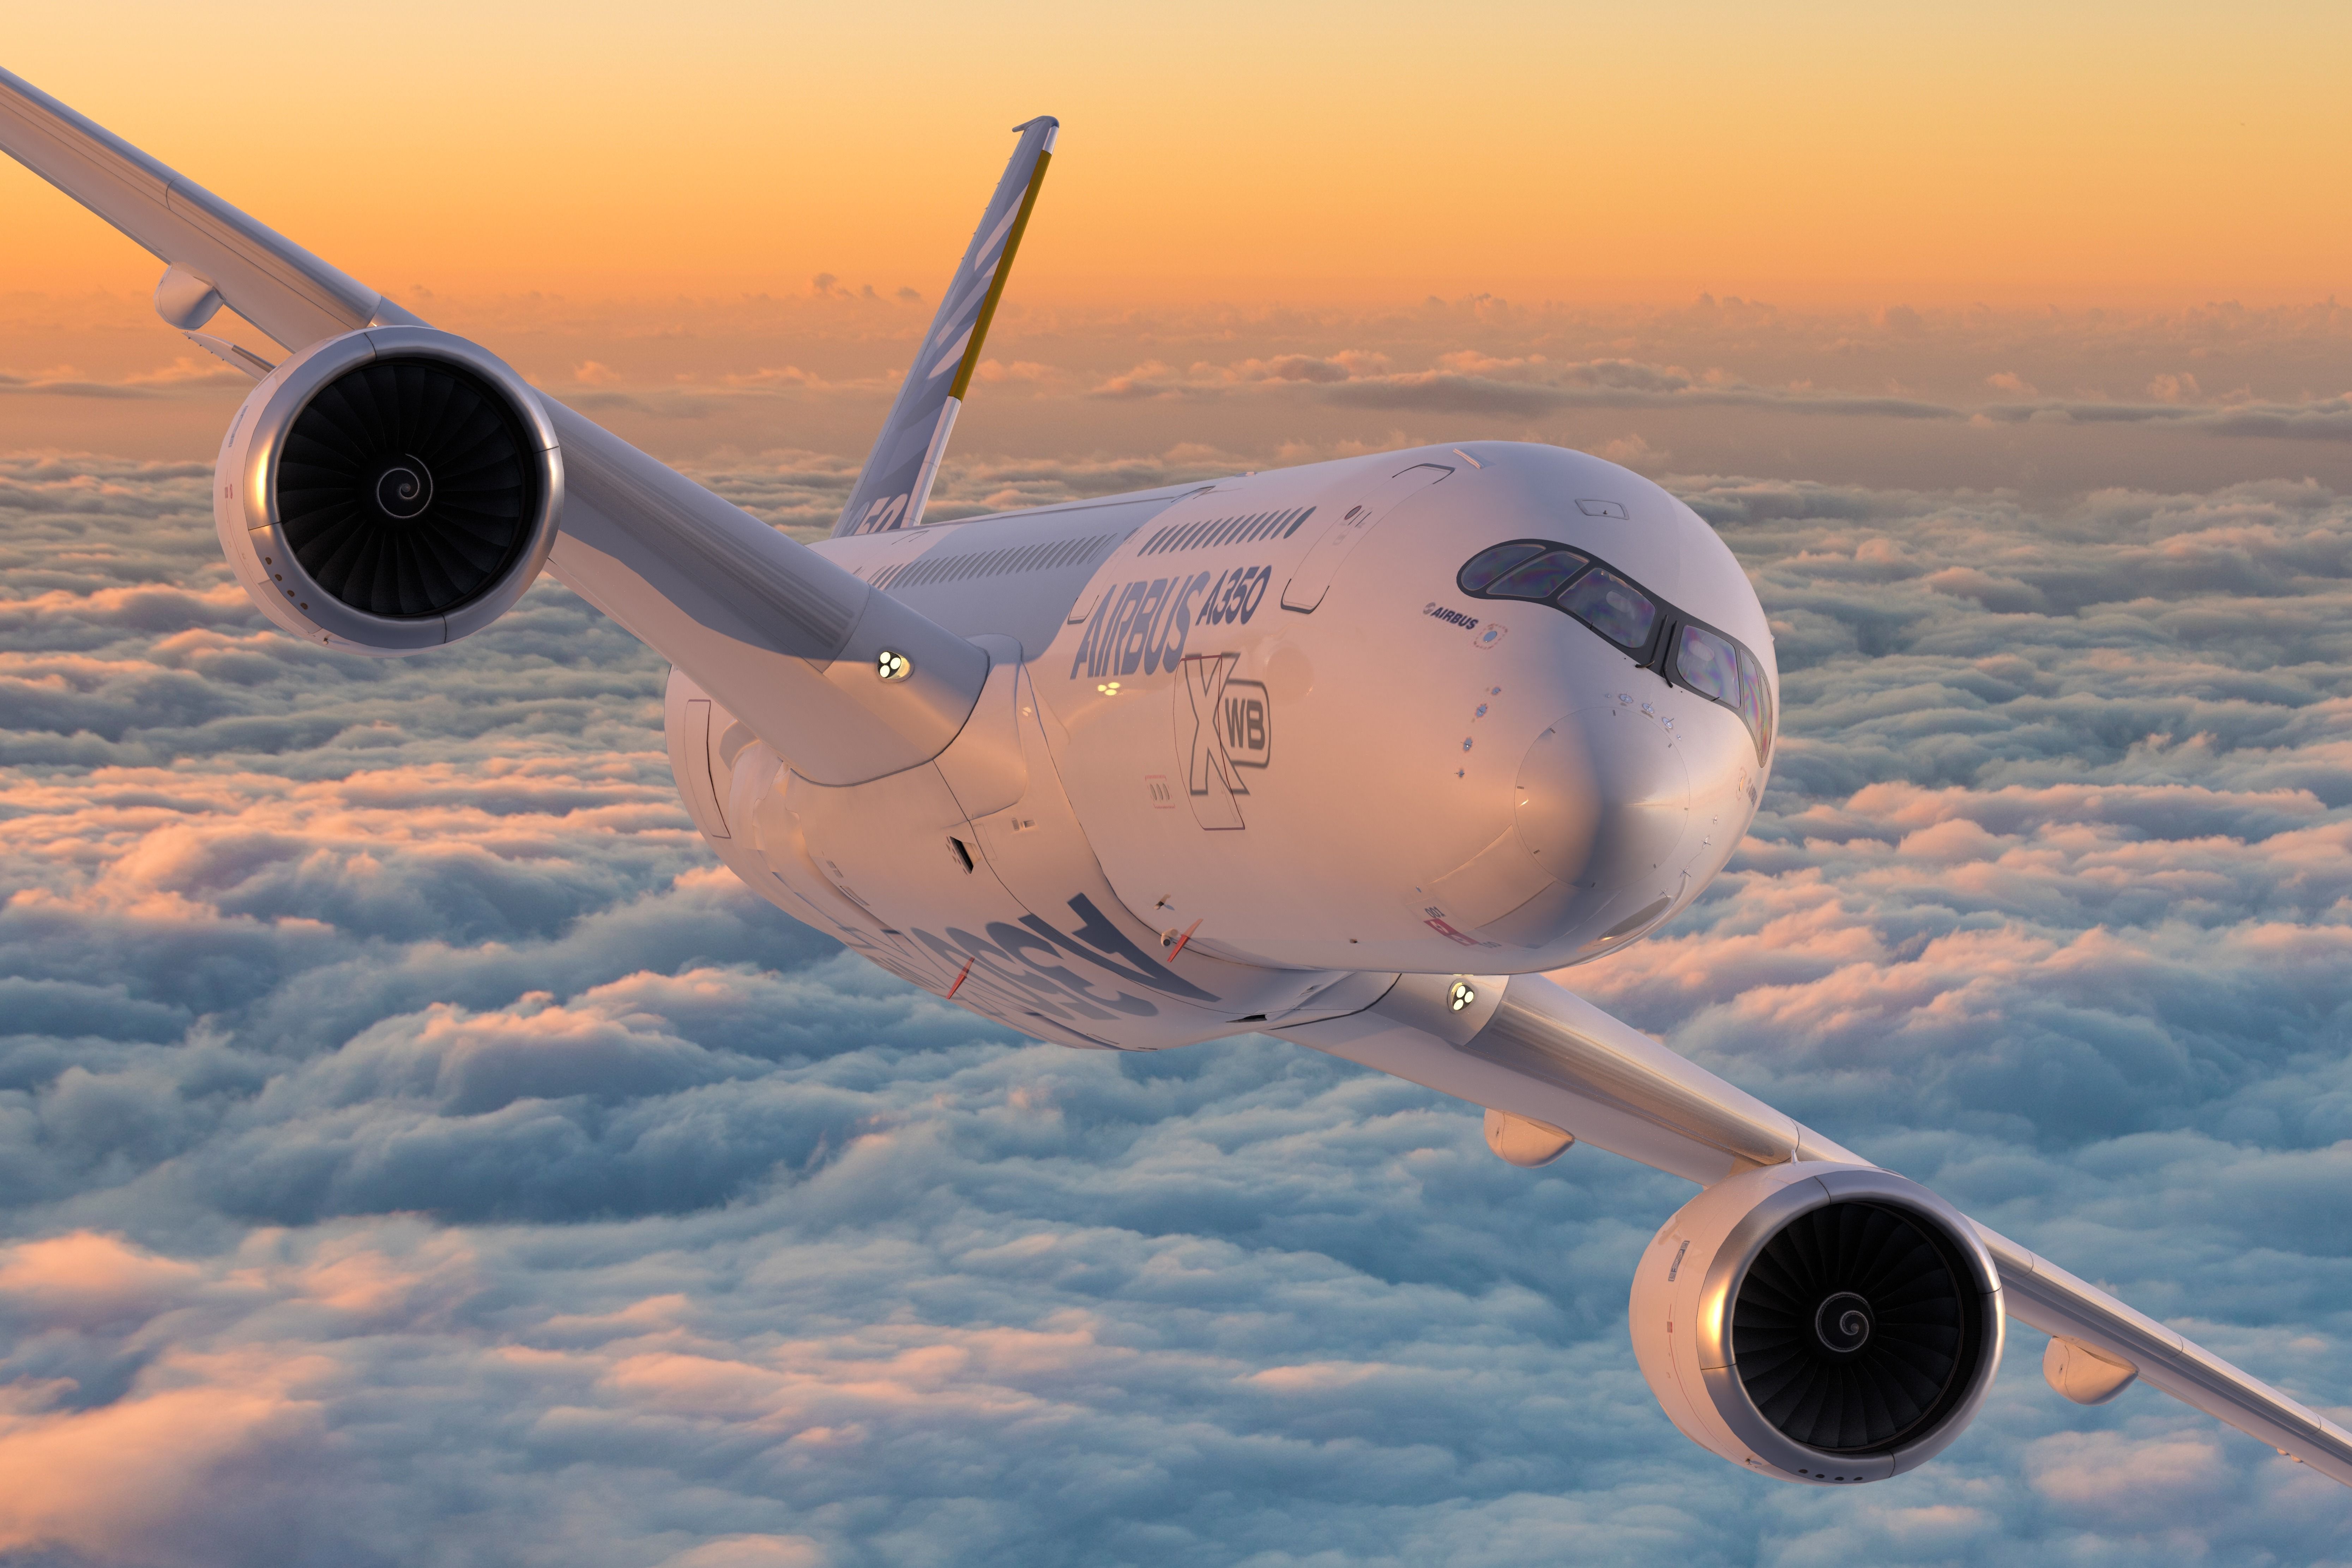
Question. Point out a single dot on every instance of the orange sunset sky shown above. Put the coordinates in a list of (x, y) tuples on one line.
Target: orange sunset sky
[(2006, 153), (717, 228)]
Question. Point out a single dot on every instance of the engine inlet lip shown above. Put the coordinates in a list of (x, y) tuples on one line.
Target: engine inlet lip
[(257, 440)]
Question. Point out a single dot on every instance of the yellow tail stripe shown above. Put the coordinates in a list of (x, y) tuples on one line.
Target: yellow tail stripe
[(996, 284)]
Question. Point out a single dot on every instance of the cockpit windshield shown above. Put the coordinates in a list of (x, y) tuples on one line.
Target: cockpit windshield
[(1685, 652), (1539, 578), (1706, 664), (1489, 565), (1611, 607)]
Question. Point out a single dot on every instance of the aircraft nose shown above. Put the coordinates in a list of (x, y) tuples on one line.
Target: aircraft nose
[(1604, 803)]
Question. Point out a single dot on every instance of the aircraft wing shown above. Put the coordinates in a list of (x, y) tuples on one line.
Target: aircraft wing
[(784, 636), (264, 277), (1525, 1046), (897, 483)]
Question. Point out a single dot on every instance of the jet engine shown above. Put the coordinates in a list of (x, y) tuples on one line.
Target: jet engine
[(388, 490), (1820, 1323)]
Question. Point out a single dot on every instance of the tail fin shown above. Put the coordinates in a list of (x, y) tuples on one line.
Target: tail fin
[(897, 483)]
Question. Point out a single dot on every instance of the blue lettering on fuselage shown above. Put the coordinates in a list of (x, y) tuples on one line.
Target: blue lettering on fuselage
[(1143, 626), (1026, 958)]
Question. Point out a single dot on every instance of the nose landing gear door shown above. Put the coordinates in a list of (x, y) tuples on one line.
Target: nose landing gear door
[(1313, 579)]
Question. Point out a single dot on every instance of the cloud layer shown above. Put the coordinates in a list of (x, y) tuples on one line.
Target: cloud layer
[(2049, 403), (419, 1151)]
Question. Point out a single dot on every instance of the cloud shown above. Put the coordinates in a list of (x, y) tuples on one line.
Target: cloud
[(1634, 452), (751, 1550), (1473, 385), (2042, 403), (2147, 1486), (182, 1469), (181, 375), (2316, 419), (86, 1280), (420, 1151), (1470, 382)]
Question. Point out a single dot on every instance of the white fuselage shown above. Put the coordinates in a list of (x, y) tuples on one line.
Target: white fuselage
[(1245, 742)]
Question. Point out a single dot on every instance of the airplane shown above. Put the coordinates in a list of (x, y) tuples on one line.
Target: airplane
[(1355, 754)]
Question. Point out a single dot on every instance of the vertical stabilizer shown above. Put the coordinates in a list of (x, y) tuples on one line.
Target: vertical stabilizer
[(897, 483)]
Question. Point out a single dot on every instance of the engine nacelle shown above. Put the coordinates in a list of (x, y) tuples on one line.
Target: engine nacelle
[(388, 490), (1821, 1323)]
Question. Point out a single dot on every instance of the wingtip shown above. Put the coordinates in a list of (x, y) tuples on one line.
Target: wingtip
[(1046, 120)]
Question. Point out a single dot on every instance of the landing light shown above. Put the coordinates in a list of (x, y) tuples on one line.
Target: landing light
[(1462, 995), (893, 666)]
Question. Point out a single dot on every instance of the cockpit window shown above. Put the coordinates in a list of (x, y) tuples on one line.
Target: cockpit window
[(1489, 565), (1756, 703), (1611, 607), (1539, 578), (1683, 650), (1705, 663)]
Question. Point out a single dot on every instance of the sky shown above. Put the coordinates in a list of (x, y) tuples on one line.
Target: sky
[(419, 1150), (2003, 152)]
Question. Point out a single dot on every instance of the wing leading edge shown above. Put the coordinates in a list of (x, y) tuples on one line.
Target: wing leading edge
[(263, 276), (1531, 1048), (897, 483)]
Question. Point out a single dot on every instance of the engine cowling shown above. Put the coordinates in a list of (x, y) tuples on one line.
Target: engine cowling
[(1820, 1323), (388, 490)]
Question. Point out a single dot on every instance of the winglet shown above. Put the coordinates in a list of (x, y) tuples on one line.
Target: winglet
[(895, 484)]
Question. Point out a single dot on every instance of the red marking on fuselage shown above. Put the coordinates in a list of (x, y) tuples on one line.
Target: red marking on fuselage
[(1443, 930)]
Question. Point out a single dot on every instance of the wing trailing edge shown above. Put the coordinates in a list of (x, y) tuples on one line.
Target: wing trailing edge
[(895, 487)]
